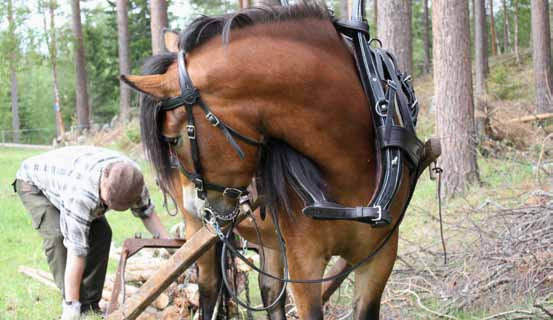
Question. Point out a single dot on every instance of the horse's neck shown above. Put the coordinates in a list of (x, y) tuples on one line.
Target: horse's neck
[(332, 127), (306, 96)]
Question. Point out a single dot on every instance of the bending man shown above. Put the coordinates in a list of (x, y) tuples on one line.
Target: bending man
[(67, 192)]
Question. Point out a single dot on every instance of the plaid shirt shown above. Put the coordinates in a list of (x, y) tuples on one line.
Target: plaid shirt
[(70, 178)]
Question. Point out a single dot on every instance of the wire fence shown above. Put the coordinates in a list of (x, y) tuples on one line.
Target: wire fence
[(46, 136), (38, 136)]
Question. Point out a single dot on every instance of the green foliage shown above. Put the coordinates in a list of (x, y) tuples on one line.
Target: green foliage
[(508, 80), (132, 131), (524, 23), (102, 53), (214, 7), (417, 29)]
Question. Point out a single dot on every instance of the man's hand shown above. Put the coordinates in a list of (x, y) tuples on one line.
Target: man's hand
[(154, 225), (71, 310)]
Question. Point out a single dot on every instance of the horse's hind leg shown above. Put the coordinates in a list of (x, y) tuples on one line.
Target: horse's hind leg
[(271, 288), (370, 281)]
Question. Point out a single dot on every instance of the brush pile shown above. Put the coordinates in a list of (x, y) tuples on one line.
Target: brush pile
[(502, 258)]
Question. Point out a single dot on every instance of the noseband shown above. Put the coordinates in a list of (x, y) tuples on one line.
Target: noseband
[(189, 98)]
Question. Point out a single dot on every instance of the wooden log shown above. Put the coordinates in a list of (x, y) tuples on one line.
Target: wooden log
[(143, 275), (183, 258), (192, 294), (533, 117), (171, 313), (161, 301), (38, 275), (144, 264), (149, 314)]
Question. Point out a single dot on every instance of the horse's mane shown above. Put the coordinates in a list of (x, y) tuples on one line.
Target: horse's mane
[(283, 169), (205, 28), (156, 150), (281, 164)]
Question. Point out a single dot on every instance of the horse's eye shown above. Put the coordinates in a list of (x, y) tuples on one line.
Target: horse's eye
[(172, 141)]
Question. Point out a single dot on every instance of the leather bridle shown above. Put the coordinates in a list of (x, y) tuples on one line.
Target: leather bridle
[(189, 98)]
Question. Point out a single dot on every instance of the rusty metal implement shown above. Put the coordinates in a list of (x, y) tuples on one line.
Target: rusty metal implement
[(130, 247)]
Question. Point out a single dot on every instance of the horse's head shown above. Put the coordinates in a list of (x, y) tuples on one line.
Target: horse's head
[(180, 129)]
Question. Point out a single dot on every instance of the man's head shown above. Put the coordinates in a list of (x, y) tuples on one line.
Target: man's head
[(121, 186)]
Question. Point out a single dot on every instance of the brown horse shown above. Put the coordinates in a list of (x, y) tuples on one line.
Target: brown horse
[(284, 76)]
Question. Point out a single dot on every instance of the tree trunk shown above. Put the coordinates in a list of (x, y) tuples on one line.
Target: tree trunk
[(83, 111), (260, 3), (344, 9), (375, 15), (124, 63), (453, 94), (426, 37), (244, 4), (493, 39), (541, 54), (515, 22), (52, 49), (13, 72), (394, 30), (158, 21), (506, 32), (480, 46)]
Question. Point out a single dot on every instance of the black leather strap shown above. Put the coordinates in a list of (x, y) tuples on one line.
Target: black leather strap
[(348, 27), (403, 139), (332, 211)]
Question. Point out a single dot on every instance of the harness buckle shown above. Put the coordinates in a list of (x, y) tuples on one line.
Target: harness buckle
[(212, 119), (379, 214), (189, 95), (199, 184), (191, 131), (234, 193)]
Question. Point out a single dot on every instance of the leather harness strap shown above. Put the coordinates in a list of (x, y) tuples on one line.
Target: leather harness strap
[(394, 114)]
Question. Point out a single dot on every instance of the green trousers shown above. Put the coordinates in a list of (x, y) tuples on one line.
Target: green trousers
[(46, 220)]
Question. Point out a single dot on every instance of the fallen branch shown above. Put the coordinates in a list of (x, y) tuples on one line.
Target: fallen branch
[(38, 275), (506, 313), (529, 118), (425, 308)]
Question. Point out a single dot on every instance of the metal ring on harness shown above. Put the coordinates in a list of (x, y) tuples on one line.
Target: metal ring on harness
[(381, 107)]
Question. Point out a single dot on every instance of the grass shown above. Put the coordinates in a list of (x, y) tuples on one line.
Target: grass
[(23, 298)]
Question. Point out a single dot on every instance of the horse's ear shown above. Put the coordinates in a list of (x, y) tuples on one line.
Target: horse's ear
[(171, 40), (148, 84)]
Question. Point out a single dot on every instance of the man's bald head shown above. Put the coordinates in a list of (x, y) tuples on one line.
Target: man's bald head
[(121, 186)]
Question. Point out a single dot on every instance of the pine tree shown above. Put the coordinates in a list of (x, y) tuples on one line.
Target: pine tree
[(453, 94), (394, 30), (541, 54), (81, 91), (158, 14), (124, 63)]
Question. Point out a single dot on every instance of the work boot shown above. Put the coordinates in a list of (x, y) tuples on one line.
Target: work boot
[(91, 309)]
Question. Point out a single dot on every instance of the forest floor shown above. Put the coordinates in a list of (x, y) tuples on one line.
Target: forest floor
[(498, 234)]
